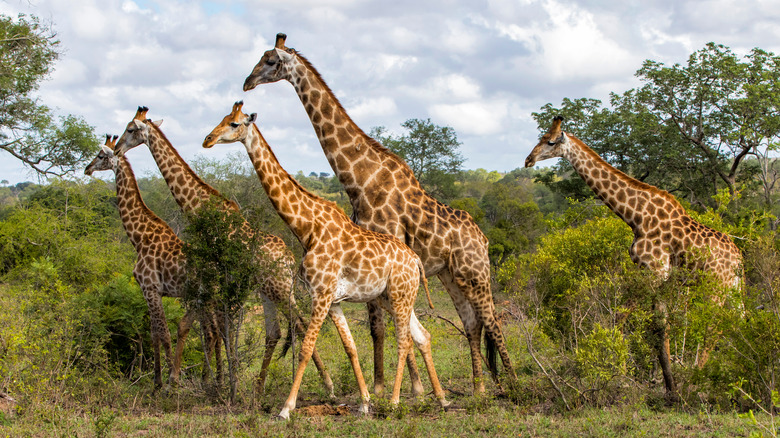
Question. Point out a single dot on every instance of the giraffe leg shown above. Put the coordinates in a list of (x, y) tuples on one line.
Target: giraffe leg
[(404, 341), (217, 335), (337, 315), (479, 295), (422, 340), (272, 335), (471, 326), (377, 323), (181, 336), (318, 314), (159, 328), (210, 328), (300, 329), (664, 356)]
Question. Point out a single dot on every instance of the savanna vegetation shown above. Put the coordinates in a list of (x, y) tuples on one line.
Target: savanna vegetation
[(578, 315)]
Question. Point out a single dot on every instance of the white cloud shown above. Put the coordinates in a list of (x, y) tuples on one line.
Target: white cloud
[(472, 118), (374, 107), (480, 67)]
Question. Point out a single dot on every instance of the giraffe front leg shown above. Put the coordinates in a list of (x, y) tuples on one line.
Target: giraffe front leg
[(159, 329), (664, 356), (337, 315), (300, 328), (319, 312)]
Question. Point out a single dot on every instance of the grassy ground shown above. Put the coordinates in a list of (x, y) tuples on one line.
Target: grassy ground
[(128, 409)]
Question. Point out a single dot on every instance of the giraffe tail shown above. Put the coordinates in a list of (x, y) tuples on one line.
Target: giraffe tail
[(424, 282)]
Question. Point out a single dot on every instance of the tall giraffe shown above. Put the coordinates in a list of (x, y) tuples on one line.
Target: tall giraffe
[(664, 234), (190, 191), (342, 261), (387, 198), (159, 266)]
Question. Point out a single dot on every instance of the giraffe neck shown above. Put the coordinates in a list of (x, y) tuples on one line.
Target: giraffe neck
[(295, 205), (137, 219), (188, 189), (620, 192), (343, 142)]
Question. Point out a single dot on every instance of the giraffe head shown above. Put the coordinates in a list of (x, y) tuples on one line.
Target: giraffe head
[(234, 127), (137, 132), (273, 66), (105, 159), (550, 145)]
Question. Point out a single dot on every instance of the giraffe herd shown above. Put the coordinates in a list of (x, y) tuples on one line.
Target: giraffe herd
[(398, 236)]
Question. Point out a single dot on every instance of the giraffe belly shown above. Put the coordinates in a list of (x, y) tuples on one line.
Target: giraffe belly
[(348, 290)]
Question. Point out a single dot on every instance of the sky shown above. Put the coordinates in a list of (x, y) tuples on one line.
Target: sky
[(480, 67)]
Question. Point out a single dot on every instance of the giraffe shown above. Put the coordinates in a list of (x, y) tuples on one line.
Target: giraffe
[(664, 234), (190, 191), (159, 267), (342, 262), (387, 198)]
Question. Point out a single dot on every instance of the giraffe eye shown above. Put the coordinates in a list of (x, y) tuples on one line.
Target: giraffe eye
[(234, 125), (551, 143)]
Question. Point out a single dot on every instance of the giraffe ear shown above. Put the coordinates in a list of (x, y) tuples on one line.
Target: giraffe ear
[(252, 118), (284, 55), (157, 123)]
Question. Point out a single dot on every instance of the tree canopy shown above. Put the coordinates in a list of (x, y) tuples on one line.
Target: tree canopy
[(29, 131), (430, 150), (690, 129)]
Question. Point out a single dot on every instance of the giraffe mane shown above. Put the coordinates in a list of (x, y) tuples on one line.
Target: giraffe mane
[(372, 142), (128, 172), (294, 181)]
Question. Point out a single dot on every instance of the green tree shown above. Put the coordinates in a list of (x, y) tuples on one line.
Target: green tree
[(221, 271), (724, 106), (29, 131), (690, 129), (431, 151)]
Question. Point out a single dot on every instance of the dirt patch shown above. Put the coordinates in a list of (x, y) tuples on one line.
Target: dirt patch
[(324, 410)]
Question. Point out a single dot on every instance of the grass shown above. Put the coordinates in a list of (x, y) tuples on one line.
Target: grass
[(119, 408)]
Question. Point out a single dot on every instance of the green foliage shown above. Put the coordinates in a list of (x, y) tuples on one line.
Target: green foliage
[(225, 263), (221, 256), (690, 129), (602, 355), (30, 132)]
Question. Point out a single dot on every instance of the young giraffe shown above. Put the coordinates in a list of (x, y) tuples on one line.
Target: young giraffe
[(190, 191), (342, 261), (664, 234), (159, 267), (387, 198)]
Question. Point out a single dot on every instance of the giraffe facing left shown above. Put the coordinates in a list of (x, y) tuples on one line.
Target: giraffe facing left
[(159, 266), (190, 192)]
